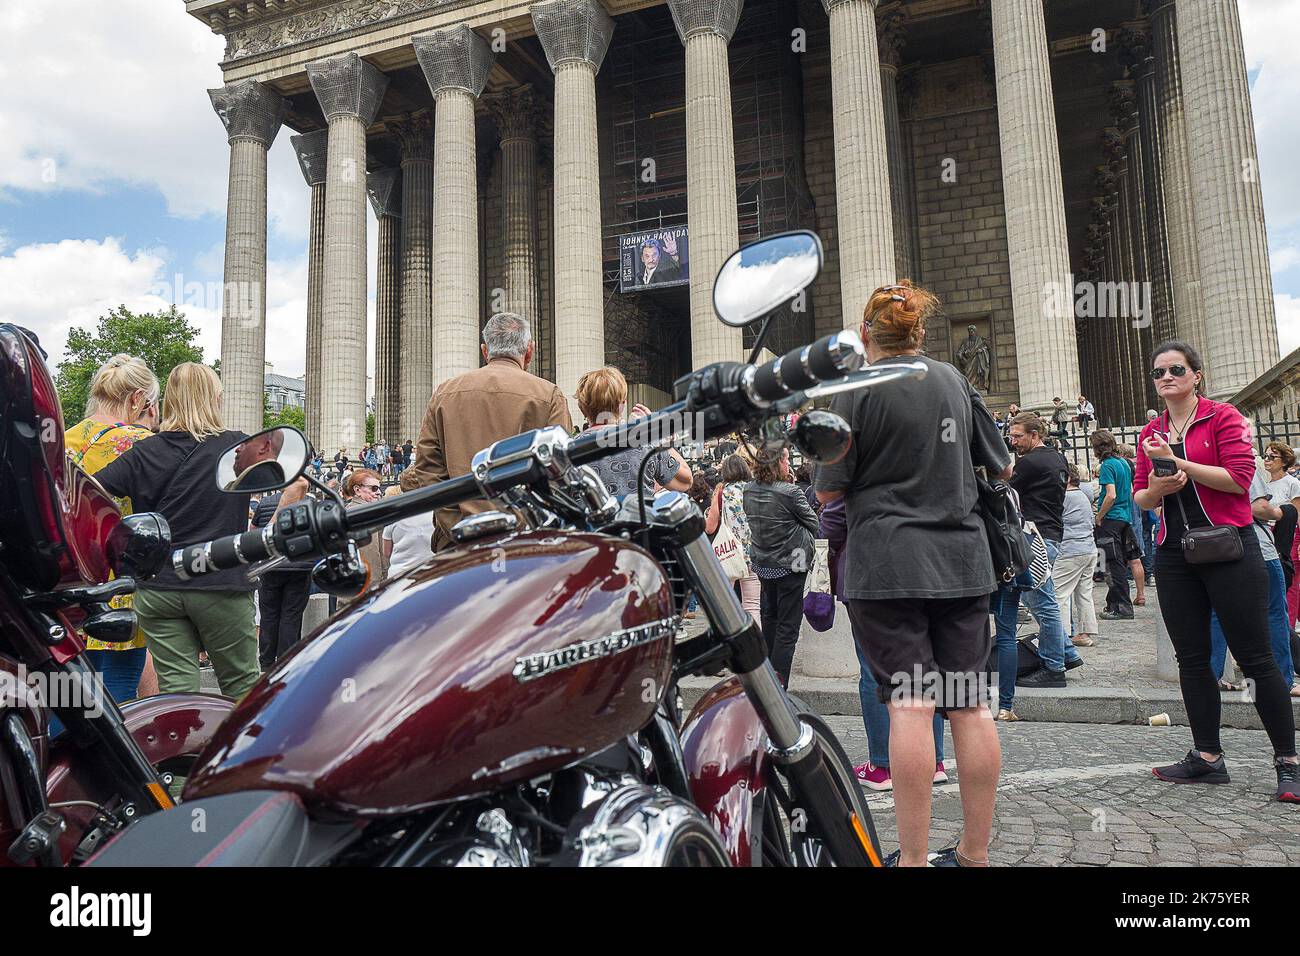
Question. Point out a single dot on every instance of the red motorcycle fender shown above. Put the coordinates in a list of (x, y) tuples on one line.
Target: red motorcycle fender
[(166, 727), (722, 742)]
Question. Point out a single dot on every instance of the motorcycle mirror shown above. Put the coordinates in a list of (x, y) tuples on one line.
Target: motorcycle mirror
[(139, 546), (822, 436), (764, 274), (268, 460)]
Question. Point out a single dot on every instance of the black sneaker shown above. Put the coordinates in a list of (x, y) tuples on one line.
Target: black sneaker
[(1115, 616), (1071, 665), (1151, 580), (946, 857), (1288, 781), (1194, 769), (893, 858), (1042, 678)]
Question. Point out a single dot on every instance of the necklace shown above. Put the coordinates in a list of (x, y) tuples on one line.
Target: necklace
[(1182, 432)]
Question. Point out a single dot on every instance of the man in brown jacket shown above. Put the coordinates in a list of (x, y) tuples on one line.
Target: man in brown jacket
[(469, 412)]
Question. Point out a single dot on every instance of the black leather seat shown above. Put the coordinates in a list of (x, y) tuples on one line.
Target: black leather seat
[(255, 828)]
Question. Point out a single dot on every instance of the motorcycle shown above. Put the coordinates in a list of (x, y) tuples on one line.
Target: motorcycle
[(514, 700), (62, 540)]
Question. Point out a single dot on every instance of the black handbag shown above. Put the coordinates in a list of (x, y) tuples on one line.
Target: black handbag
[(1002, 527), (1216, 544)]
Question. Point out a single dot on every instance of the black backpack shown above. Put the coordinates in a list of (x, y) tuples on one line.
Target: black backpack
[(1002, 526)]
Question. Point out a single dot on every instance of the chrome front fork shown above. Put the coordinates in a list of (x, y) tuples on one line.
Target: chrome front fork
[(788, 737)]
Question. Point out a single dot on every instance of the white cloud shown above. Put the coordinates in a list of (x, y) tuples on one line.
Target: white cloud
[(98, 94), (52, 287), (1270, 34), (1288, 322), (1282, 258)]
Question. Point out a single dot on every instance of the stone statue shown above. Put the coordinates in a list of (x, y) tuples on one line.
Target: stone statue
[(974, 359)]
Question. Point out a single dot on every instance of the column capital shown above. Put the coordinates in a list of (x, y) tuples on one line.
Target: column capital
[(515, 112), (249, 110), (1134, 41), (414, 133), (456, 58), (384, 187), (312, 149), (572, 31), (719, 17), (891, 29), (829, 5), (347, 86)]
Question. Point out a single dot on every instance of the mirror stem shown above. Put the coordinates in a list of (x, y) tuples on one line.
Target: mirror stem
[(762, 337), (338, 499)]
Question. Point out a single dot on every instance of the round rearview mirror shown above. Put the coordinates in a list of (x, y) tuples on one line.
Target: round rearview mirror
[(765, 274), (269, 460), (822, 436)]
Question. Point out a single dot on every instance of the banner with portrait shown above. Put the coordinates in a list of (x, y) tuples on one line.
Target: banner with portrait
[(655, 259)]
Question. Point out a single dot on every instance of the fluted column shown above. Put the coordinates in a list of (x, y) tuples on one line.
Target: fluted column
[(1180, 213), (1142, 66), (252, 114), (514, 114), (456, 63), (1035, 204), (892, 38), (312, 150), (864, 208), (1133, 203), (575, 35), (350, 91), (415, 380), (1241, 338), (706, 28), (385, 189)]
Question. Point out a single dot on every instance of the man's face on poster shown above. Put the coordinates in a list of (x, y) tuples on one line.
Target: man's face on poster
[(650, 255)]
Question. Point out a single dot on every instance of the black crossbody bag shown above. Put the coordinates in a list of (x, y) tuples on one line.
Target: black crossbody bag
[(1217, 544)]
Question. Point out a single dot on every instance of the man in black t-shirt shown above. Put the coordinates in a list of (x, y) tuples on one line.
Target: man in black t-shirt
[(1039, 479)]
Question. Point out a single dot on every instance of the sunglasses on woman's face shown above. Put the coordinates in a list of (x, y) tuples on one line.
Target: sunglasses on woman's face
[(1272, 457), (1177, 371), (370, 487)]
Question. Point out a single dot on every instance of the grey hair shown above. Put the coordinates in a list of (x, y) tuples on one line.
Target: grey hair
[(507, 334)]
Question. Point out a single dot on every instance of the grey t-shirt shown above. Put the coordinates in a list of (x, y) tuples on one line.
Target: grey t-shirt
[(1259, 488), (909, 486), (618, 472)]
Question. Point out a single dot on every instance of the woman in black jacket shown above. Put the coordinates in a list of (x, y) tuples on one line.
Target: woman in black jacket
[(783, 526)]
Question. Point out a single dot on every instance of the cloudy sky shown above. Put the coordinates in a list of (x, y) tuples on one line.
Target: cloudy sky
[(113, 170)]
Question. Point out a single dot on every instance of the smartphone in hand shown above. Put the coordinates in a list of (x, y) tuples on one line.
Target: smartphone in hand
[(1164, 467)]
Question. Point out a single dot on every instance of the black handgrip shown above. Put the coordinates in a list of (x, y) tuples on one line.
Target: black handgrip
[(825, 360), (195, 560)]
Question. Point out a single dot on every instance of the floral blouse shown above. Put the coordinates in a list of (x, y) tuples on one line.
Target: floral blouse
[(92, 445), (733, 513)]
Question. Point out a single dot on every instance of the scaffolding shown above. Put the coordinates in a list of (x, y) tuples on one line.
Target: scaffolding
[(643, 136)]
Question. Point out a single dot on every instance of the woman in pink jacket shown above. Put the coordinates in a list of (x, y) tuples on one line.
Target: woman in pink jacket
[(1209, 444)]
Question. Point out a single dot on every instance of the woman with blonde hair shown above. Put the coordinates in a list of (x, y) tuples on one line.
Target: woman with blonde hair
[(172, 473), (123, 409), (602, 399)]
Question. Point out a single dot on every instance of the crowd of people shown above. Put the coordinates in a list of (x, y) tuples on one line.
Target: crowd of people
[(1189, 511)]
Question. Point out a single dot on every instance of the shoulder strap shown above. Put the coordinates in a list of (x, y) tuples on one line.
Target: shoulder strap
[(80, 456)]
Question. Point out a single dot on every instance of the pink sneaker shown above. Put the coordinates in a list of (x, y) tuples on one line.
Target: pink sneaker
[(940, 775), (873, 777)]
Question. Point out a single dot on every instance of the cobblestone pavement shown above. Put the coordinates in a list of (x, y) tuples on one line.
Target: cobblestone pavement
[(1084, 795)]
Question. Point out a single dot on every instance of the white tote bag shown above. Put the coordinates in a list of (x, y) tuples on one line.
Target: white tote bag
[(819, 575), (729, 551)]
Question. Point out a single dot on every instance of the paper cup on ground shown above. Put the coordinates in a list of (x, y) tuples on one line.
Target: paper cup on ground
[(1159, 720)]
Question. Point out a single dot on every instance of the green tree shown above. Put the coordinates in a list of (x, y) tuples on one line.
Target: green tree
[(370, 428), (163, 339), (289, 415)]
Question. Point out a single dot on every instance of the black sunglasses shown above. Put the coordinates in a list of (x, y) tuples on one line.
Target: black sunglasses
[(1177, 371)]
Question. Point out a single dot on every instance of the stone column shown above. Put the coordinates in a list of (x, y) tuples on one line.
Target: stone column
[(1142, 65), (575, 35), (514, 113), (706, 28), (350, 91), (385, 189), (1180, 215), (252, 114), (1133, 204), (312, 150), (1035, 204), (456, 63), (414, 132), (864, 208), (1119, 273), (1241, 327), (892, 38)]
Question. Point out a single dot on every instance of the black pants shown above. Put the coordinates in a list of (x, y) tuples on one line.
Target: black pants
[(1237, 591), (282, 599), (1116, 548), (781, 612)]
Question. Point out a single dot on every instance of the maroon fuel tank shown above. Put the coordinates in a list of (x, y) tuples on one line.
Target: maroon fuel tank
[(492, 663)]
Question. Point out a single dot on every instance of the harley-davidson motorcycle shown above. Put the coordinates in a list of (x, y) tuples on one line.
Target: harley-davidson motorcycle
[(62, 538)]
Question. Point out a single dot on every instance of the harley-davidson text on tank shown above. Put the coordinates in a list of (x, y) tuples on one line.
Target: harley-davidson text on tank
[(535, 665)]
